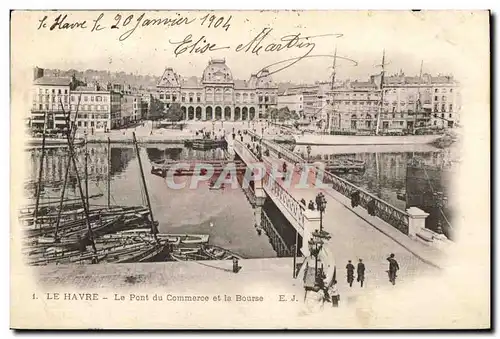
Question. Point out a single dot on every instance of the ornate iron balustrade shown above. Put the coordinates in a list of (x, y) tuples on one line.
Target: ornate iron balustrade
[(383, 210), (294, 207), (390, 214), (279, 245)]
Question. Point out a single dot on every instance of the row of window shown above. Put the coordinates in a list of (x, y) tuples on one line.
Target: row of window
[(55, 106), (368, 95), (91, 98), (394, 91), (91, 107), (59, 91), (93, 116), (53, 98)]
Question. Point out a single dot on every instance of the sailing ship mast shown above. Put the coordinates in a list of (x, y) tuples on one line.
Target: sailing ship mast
[(154, 230), (87, 171), (109, 173), (79, 183), (71, 130), (332, 85), (381, 93), (40, 173), (419, 99)]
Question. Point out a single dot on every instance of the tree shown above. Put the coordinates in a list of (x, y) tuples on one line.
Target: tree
[(174, 113), (155, 109)]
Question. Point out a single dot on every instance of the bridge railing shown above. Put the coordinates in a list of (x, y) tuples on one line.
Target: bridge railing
[(383, 210), (286, 154), (294, 207), (242, 150)]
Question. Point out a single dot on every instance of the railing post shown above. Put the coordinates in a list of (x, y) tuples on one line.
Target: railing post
[(416, 220), (311, 223)]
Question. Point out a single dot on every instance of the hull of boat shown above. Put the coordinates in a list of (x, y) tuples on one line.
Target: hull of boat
[(313, 139), (172, 238)]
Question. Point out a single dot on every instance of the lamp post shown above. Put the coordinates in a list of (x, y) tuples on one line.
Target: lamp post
[(321, 206), (319, 237)]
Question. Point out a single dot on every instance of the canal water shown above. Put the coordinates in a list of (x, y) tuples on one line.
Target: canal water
[(386, 175), (226, 215)]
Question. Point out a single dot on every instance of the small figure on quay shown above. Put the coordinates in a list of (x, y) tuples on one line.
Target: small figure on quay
[(393, 268), (334, 294), (361, 272), (284, 167), (350, 273), (355, 199), (236, 266), (311, 205)]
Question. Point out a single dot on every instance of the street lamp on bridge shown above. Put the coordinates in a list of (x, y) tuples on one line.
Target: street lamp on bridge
[(321, 206), (319, 236)]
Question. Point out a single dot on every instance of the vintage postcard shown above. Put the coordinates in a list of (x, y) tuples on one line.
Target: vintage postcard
[(250, 169)]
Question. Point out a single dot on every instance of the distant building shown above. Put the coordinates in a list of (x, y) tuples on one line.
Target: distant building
[(420, 101), (217, 95), (294, 102), (355, 106), (98, 108), (50, 101)]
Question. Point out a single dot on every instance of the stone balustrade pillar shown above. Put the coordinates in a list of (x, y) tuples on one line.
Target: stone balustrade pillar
[(311, 223), (416, 220)]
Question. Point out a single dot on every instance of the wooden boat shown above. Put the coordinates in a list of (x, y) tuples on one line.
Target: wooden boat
[(182, 238), (218, 253), (141, 236), (144, 255), (61, 255), (184, 254), (187, 256)]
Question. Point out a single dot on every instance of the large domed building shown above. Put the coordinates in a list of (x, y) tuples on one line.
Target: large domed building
[(217, 95)]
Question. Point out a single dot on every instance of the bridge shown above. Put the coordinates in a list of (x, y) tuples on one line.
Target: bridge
[(363, 227)]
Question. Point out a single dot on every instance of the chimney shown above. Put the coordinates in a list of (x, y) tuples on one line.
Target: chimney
[(37, 73)]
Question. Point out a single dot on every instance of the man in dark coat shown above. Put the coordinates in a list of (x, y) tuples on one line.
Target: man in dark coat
[(393, 268), (350, 273), (361, 272)]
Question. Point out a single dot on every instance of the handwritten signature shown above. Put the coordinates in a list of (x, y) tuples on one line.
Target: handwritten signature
[(196, 45)]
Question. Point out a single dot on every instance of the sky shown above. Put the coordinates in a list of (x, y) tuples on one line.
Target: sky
[(436, 38)]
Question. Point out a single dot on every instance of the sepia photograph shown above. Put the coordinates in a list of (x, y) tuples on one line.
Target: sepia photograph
[(286, 169)]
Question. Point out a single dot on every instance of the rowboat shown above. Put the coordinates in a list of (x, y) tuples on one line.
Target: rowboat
[(182, 238), (219, 253)]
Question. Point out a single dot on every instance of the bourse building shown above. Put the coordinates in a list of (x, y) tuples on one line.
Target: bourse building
[(217, 95)]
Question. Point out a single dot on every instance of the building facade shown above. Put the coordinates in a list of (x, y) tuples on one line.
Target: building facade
[(409, 103), (354, 106), (98, 109), (427, 101), (217, 95), (50, 103)]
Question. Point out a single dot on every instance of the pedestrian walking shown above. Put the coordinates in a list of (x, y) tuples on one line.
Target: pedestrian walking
[(311, 205), (393, 268), (361, 272), (350, 273)]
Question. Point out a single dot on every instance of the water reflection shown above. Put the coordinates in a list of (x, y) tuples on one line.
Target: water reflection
[(389, 177), (223, 214)]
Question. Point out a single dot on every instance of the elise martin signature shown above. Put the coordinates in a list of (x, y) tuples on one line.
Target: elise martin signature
[(255, 46)]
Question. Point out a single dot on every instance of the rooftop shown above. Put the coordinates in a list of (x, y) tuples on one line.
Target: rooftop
[(53, 81)]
